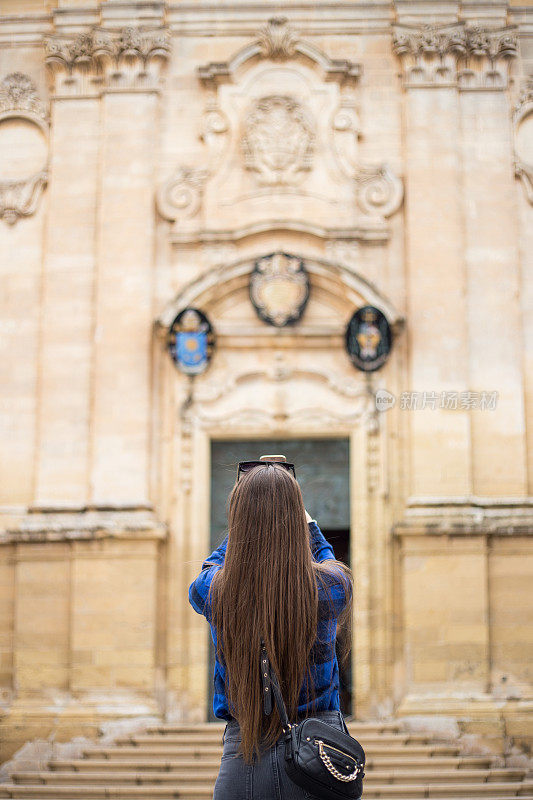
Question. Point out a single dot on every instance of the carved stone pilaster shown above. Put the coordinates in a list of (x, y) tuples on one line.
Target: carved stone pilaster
[(523, 138), (455, 55), (20, 105), (103, 60)]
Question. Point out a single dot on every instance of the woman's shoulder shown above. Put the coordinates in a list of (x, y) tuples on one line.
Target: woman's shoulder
[(334, 582)]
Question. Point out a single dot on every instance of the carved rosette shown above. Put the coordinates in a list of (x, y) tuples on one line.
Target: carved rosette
[(100, 58), (455, 55), (523, 138), (278, 140), (20, 105), (379, 191)]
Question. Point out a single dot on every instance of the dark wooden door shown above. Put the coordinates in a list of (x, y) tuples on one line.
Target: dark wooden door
[(322, 470)]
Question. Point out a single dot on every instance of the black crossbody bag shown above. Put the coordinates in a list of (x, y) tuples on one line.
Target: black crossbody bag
[(326, 761)]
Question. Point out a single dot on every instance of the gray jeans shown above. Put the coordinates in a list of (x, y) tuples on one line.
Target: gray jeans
[(265, 778)]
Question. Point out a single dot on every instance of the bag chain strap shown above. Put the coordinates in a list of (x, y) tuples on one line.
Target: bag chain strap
[(334, 771)]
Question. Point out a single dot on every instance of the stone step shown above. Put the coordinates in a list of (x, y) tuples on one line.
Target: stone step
[(405, 776), (355, 728), (212, 737), (493, 790), (89, 764), (200, 749)]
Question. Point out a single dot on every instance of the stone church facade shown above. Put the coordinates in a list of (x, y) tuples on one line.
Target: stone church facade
[(152, 154)]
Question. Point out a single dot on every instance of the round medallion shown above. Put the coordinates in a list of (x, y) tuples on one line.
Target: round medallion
[(191, 341), (368, 338), (279, 288)]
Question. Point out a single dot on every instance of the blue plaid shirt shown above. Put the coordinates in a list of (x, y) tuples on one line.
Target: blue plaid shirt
[(323, 664)]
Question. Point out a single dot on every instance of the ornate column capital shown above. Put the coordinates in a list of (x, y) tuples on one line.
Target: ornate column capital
[(467, 57), (105, 60)]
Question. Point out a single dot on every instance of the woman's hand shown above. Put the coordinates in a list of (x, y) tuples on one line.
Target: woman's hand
[(307, 516)]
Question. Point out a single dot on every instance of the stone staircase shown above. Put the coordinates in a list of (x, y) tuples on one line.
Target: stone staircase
[(182, 761)]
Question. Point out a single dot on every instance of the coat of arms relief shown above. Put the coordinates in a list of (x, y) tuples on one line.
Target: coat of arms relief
[(278, 140), (281, 132)]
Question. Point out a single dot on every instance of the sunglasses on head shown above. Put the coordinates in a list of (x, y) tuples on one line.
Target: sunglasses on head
[(246, 466)]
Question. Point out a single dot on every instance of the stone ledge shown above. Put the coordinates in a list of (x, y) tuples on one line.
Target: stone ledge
[(468, 516), (61, 524)]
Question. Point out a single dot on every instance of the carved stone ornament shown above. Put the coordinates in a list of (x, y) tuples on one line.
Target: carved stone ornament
[(346, 131), (278, 140), (180, 198), (276, 40), (24, 126), (470, 57), (107, 58), (379, 191), (279, 288), (523, 139)]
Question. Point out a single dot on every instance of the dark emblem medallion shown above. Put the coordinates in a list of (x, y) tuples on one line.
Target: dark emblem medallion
[(279, 288), (191, 341), (368, 338)]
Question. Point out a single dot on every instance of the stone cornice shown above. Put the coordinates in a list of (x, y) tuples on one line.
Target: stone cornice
[(469, 57), (102, 59), (208, 18), (466, 516), (57, 524)]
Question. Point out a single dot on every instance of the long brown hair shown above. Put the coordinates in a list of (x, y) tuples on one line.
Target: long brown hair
[(268, 588)]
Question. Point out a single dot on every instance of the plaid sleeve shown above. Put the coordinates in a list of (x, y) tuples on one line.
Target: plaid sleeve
[(199, 588), (341, 592), (320, 547)]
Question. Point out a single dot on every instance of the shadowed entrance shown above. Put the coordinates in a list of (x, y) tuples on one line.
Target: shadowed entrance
[(322, 470)]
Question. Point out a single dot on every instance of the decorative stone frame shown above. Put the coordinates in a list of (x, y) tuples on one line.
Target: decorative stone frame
[(200, 414), (19, 197)]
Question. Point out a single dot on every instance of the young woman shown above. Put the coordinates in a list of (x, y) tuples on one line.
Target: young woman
[(274, 577)]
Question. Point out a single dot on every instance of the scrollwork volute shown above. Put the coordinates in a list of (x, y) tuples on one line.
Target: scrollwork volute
[(24, 146), (179, 199), (379, 191)]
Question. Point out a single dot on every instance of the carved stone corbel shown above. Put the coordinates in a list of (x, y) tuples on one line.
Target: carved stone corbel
[(20, 105)]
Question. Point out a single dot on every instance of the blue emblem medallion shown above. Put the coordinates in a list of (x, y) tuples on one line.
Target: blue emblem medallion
[(191, 341)]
